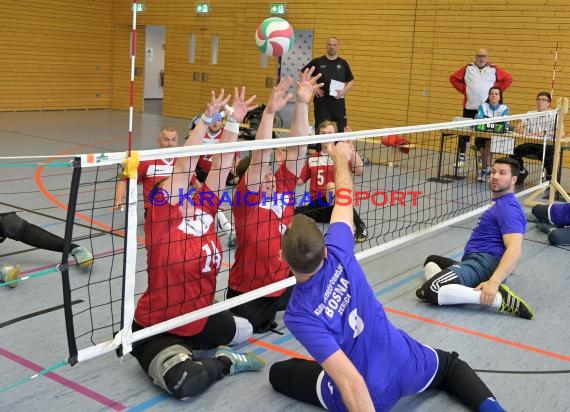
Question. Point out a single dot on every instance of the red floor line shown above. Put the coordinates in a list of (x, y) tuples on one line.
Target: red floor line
[(480, 335), (521, 346), (64, 381), (278, 349)]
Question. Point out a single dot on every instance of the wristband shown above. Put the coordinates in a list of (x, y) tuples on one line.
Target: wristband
[(216, 117), (232, 127), (207, 120)]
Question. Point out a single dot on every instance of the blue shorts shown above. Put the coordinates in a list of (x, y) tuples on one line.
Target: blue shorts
[(475, 268)]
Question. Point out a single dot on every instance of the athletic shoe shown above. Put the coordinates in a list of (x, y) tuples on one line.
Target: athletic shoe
[(232, 238), (361, 233), (420, 294), (226, 226), (241, 362), (10, 274), (431, 269), (513, 304), (83, 258)]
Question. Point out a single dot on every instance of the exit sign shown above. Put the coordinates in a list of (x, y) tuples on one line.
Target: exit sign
[(278, 8), (202, 8)]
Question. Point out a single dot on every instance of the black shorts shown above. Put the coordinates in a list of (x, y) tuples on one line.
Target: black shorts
[(220, 329), (261, 311)]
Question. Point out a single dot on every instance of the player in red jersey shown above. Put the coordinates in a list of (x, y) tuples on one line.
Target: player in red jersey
[(212, 136), (261, 210), (150, 172), (183, 261), (320, 169)]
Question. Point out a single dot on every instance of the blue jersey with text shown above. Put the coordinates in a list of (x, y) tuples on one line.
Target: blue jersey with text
[(504, 217), (336, 310)]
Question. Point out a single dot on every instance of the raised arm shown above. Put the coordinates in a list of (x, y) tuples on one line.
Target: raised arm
[(260, 158), (306, 85), (356, 161), (222, 162), (179, 179), (341, 154)]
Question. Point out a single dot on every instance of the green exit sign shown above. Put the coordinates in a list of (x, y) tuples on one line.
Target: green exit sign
[(278, 8), (202, 8)]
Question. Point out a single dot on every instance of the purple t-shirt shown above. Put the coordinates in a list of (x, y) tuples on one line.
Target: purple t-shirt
[(559, 214), (504, 217), (336, 309)]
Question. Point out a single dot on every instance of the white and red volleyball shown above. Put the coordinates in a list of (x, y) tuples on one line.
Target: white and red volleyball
[(274, 36)]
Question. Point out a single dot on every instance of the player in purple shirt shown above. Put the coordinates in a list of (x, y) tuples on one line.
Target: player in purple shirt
[(363, 362), (554, 220), (491, 254)]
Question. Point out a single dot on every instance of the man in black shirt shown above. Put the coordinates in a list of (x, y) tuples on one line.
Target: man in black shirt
[(329, 101)]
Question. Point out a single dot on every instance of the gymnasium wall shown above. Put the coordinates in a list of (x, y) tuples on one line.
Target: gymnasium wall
[(63, 54), (56, 54)]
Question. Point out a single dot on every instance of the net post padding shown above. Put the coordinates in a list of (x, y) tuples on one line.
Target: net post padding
[(68, 236), (130, 261)]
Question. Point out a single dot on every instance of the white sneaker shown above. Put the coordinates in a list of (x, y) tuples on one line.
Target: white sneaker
[(223, 223), (232, 238), (431, 269)]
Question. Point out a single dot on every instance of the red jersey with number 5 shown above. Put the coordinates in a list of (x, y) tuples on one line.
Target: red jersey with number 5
[(183, 260), (320, 169)]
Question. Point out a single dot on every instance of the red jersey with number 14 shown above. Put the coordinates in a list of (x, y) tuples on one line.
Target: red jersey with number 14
[(183, 260)]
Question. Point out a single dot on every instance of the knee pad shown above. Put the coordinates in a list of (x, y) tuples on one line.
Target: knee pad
[(13, 226), (430, 289), (244, 330), (174, 370)]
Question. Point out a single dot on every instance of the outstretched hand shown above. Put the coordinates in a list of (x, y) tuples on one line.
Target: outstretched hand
[(307, 85), (279, 96), (216, 103), (341, 151), (240, 106)]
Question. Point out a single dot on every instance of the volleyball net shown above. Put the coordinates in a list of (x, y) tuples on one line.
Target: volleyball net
[(414, 181)]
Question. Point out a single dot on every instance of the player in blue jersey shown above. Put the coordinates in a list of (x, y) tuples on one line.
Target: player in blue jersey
[(554, 220), (491, 254), (362, 361)]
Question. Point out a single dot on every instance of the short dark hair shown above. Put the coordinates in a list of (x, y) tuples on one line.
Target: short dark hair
[(545, 94), (515, 166), (303, 245)]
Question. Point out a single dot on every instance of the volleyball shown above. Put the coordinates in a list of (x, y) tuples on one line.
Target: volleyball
[(274, 36)]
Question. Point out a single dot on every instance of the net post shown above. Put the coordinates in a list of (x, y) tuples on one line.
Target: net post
[(68, 236)]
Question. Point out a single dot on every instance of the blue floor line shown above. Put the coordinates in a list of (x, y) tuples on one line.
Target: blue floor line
[(289, 336)]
